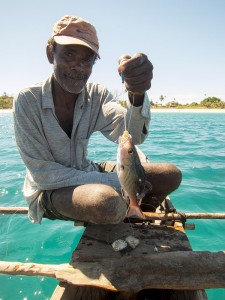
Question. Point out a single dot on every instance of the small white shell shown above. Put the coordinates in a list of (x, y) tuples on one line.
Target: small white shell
[(119, 245), (132, 241), (156, 249)]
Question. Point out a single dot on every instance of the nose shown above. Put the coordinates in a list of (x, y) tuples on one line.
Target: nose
[(77, 64)]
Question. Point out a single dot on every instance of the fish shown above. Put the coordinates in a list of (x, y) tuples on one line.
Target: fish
[(131, 175)]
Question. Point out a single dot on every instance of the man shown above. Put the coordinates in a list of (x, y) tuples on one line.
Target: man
[(54, 120)]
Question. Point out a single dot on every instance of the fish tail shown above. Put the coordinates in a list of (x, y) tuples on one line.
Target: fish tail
[(135, 211)]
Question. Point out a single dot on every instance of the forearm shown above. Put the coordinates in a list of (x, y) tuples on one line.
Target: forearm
[(75, 178), (50, 175)]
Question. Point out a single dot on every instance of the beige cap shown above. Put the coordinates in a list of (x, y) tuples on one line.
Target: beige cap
[(71, 30)]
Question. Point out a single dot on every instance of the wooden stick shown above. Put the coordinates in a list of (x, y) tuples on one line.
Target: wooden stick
[(149, 215), (180, 216), (30, 269), (204, 215), (180, 270), (13, 210)]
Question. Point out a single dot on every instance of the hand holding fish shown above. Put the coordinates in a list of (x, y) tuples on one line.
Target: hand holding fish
[(137, 72)]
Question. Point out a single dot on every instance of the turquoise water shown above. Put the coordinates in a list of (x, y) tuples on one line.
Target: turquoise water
[(194, 142)]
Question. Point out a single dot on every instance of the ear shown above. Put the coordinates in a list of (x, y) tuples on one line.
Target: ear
[(50, 54)]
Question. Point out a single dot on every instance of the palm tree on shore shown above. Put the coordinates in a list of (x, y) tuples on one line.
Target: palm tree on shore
[(162, 98)]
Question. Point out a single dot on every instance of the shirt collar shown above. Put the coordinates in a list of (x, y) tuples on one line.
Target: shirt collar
[(47, 99)]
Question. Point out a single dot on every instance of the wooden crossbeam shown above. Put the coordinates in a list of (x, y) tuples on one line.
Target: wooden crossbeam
[(181, 270), (149, 215)]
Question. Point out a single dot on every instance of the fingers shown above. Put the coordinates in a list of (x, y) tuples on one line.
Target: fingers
[(137, 72), (123, 58)]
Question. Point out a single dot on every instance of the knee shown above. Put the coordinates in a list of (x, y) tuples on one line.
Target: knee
[(173, 175), (111, 206), (176, 175), (165, 177)]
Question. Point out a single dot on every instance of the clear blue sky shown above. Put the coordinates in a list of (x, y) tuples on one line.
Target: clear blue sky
[(185, 40)]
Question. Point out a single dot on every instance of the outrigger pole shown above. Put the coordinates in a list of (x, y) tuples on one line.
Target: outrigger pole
[(176, 216)]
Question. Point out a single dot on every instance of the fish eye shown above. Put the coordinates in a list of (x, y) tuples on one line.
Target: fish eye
[(130, 151)]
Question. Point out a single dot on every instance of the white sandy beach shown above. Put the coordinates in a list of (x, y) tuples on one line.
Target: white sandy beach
[(5, 110)]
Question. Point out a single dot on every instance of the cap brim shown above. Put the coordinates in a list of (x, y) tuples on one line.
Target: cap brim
[(68, 40)]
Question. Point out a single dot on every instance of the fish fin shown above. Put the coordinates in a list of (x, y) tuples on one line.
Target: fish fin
[(135, 211), (141, 195), (125, 197), (147, 188), (148, 185)]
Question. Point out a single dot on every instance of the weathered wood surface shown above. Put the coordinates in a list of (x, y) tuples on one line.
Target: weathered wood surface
[(124, 275), (97, 239), (66, 291), (168, 270), (159, 262)]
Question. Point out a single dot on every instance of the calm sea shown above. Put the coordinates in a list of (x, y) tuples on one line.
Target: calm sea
[(195, 142)]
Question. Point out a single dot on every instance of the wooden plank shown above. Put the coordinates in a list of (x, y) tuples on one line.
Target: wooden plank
[(96, 241), (95, 263), (59, 292), (65, 291), (106, 236), (179, 270), (69, 292), (146, 294), (72, 292)]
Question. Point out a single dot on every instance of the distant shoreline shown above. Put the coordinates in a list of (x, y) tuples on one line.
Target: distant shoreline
[(6, 110), (188, 110), (170, 110)]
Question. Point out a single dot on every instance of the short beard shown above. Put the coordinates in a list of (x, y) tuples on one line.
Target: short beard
[(74, 86)]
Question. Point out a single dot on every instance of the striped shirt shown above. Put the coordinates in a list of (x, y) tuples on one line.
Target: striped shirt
[(52, 159)]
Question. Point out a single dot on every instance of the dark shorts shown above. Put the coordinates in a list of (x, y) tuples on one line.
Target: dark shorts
[(45, 202), (107, 166), (50, 211)]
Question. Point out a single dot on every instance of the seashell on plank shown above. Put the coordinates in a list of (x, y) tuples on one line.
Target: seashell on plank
[(132, 241), (119, 245)]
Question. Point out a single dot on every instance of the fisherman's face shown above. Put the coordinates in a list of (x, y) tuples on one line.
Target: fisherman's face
[(72, 66)]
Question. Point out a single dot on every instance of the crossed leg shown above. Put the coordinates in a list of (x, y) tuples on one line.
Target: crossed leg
[(102, 204)]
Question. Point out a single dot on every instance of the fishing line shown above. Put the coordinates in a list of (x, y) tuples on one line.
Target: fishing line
[(126, 128), (123, 97), (124, 90), (131, 111), (131, 226), (125, 123)]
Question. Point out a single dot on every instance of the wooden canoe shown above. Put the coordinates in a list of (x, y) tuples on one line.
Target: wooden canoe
[(153, 270)]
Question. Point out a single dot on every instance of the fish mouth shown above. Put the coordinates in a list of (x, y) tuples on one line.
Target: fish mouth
[(123, 139)]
